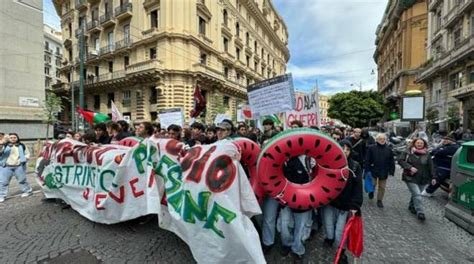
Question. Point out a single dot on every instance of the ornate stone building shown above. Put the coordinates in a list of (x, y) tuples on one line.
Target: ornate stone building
[(401, 49), (449, 73), (148, 55)]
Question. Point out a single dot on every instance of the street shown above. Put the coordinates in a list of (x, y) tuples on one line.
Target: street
[(36, 231)]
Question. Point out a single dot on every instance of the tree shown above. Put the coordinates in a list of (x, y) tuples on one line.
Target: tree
[(453, 117), (431, 115), (357, 109), (52, 107), (217, 107)]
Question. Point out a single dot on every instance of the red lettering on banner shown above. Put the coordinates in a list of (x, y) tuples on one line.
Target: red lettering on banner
[(299, 103), (64, 149), (121, 196), (99, 155), (85, 194), (89, 152), (173, 147), (151, 181), (221, 174), (98, 198), (132, 183), (198, 166), (189, 158), (76, 152)]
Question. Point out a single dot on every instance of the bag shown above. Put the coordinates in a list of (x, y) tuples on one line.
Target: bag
[(354, 235), (368, 184)]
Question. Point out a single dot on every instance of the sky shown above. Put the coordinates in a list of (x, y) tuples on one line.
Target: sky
[(331, 42)]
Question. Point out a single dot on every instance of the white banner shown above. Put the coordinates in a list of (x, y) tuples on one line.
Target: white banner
[(202, 194), (171, 116), (116, 115), (306, 110)]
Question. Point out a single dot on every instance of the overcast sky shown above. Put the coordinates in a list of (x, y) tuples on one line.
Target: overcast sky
[(331, 41)]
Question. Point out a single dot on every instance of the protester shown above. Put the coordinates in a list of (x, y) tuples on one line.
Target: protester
[(200, 140), (70, 135), (224, 129), (336, 135), (368, 139), (442, 157), (90, 138), (358, 146), (174, 132), (380, 163), (197, 130), (144, 129), (268, 131), (417, 173), (348, 202), (124, 130), (242, 131), (294, 222), (211, 134), (78, 136), (101, 133), (13, 158), (113, 129), (156, 129)]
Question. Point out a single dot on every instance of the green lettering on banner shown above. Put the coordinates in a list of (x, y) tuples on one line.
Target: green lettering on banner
[(217, 211), (176, 200), (93, 176), (84, 176), (101, 179), (67, 167), (139, 155), (58, 174), (193, 209), (77, 172)]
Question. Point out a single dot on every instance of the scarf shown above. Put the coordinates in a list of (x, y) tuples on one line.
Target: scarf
[(416, 151)]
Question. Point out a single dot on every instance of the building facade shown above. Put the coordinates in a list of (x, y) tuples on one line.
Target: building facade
[(449, 73), (400, 50), (21, 68), (149, 55), (323, 109), (53, 56)]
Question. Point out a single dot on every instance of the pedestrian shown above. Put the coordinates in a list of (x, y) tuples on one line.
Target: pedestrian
[(358, 146), (442, 157), (156, 129), (13, 158), (381, 164), (417, 173), (101, 133), (349, 201)]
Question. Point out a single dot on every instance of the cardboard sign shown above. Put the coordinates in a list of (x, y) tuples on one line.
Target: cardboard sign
[(271, 96), (306, 110), (171, 116)]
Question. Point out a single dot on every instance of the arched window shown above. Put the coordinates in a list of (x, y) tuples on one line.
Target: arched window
[(226, 18)]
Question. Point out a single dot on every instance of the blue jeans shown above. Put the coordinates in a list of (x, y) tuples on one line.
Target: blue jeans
[(294, 235), (6, 174), (269, 211), (334, 221), (415, 200)]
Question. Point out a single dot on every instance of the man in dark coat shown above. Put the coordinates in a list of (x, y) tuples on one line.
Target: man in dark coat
[(358, 146), (380, 163), (442, 157)]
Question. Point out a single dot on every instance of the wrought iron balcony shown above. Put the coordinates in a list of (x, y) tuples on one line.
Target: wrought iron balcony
[(124, 43), (107, 19), (93, 26), (124, 11)]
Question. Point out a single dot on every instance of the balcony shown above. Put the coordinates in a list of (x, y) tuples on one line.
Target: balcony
[(92, 55), (58, 54), (124, 11), (107, 49), (451, 17), (48, 50), (124, 43), (433, 4), (81, 4), (106, 77), (226, 31), (466, 6), (93, 26), (462, 91), (107, 19), (144, 67)]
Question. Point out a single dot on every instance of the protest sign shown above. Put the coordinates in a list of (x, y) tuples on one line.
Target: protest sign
[(271, 96), (201, 194), (306, 110), (220, 117), (171, 116)]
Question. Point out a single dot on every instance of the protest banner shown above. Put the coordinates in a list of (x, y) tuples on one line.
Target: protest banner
[(271, 96), (306, 110), (171, 116), (201, 194)]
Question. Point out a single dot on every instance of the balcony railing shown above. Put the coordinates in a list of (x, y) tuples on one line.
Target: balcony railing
[(93, 24), (143, 66), (124, 43), (123, 11), (107, 16), (107, 49)]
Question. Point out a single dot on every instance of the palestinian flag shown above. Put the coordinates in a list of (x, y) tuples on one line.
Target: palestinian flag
[(93, 117)]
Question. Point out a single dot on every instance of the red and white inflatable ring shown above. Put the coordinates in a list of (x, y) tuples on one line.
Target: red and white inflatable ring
[(331, 170), (249, 152)]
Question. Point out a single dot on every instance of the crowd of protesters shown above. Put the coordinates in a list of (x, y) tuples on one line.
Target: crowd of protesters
[(368, 159)]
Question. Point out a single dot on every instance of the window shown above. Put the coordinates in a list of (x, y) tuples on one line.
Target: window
[(255, 46), (226, 18), (263, 71), (457, 35), (127, 98), (111, 66), (69, 27), (96, 70), (203, 58), (152, 53), (153, 95), (437, 97), (126, 61), (46, 45), (238, 77), (97, 44), (46, 70), (455, 80), (237, 29), (255, 66), (247, 39), (154, 19), (237, 53), (58, 51), (248, 81), (110, 40), (58, 74), (470, 73), (46, 83), (247, 60), (126, 34), (110, 98), (226, 72), (262, 53), (96, 101), (47, 58), (202, 26), (58, 62), (226, 101), (226, 44)]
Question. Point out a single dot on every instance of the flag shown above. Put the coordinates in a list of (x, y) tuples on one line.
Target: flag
[(116, 115), (199, 103), (93, 117), (354, 235)]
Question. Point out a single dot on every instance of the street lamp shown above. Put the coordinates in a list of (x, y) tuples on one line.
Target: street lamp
[(359, 85)]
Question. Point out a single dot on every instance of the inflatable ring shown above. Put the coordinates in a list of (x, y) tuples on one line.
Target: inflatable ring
[(331, 169), (129, 141), (249, 152)]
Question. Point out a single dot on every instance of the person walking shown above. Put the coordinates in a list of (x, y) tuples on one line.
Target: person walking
[(381, 164), (417, 173), (13, 158), (442, 157), (358, 146), (348, 202)]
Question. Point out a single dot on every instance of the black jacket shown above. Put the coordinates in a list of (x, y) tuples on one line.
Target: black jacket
[(358, 149), (123, 134), (379, 161), (296, 172), (443, 155), (104, 140), (423, 163), (351, 196)]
